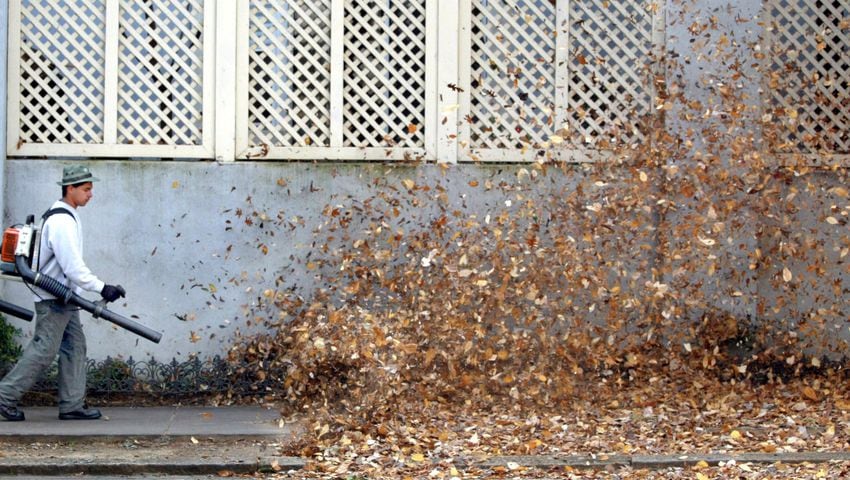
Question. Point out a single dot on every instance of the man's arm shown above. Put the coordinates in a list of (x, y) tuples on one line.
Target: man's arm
[(62, 238)]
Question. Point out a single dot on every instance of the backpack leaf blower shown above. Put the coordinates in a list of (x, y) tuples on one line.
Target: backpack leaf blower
[(19, 248)]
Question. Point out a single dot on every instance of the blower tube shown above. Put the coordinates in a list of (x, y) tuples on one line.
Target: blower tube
[(15, 311), (66, 295)]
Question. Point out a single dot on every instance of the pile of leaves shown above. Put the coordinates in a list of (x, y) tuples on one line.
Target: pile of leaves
[(529, 304), (685, 266)]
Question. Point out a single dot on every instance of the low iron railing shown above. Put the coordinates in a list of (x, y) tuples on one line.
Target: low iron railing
[(193, 378)]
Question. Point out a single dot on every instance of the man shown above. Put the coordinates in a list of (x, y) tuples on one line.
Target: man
[(57, 325)]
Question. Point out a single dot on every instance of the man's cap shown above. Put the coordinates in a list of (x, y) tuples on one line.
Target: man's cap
[(74, 174)]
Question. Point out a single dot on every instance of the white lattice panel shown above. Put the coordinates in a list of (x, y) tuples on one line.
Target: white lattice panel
[(513, 73), (160, 95), (336, 79), (385, 73), (555, 78), (610, 43), (61, 55), (110, 78), (289, 81), (809, 76)]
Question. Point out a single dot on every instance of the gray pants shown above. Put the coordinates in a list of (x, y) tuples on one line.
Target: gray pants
[(57, 330)]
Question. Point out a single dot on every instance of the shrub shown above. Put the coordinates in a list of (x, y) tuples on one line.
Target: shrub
[(10, 350)]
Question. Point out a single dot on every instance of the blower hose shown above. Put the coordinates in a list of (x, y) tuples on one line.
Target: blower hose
[(15, 311), (66, 295)]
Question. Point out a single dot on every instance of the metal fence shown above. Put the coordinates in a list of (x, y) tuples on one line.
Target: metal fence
[(114, 378)]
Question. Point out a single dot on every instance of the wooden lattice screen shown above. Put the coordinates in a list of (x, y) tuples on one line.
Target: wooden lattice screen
[(61, 59), (329, 79), (160, 73), (609, 58), (574, 75), (109, 78), (342, 79), (808, 82), (513, 72), (288, 76)]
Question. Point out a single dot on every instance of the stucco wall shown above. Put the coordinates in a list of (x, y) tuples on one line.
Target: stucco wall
[(177, 235), (161, 230)]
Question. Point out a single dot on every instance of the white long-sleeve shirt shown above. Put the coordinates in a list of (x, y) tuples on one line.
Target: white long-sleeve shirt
[(61, 253)]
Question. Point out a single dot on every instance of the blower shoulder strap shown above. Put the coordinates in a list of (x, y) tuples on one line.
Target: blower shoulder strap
[(48, 214), (54, 211)]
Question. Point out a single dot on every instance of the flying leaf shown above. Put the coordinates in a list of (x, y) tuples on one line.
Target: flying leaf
[(810, 393), (709, 242)]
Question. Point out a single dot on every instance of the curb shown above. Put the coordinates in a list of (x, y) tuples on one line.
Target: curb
[(270, 464), (193, 466), (658, 462), (117, 437)]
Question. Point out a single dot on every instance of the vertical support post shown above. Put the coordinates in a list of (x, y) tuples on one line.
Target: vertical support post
[(12, 76), (659, 66), (225, 79), (659, 39), (112, 19), (562, 66), (463, 95), (448, 81), (242, 76), (432, 41), (4, 53), (337, 71)]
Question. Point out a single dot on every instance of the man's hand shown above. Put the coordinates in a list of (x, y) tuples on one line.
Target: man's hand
[(110, 293)]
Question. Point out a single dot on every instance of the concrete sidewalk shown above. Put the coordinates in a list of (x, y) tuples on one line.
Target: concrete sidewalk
[(244, 440), (173, 440)]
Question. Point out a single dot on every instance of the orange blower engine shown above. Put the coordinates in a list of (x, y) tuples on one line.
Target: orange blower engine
[(18, 240), (10, 241), (18, 253)]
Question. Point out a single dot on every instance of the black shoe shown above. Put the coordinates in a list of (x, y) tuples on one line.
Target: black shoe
[(84, 413), (11, 414)]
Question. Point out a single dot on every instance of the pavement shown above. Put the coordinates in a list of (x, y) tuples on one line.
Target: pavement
[(169, 440), (226, 441)]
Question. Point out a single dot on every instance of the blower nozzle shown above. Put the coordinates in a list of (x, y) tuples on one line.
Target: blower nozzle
[(66, 295)]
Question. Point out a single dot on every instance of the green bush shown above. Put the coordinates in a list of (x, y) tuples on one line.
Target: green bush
[(10, 351)]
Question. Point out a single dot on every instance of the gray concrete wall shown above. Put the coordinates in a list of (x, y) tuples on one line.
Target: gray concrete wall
[(196, 243), (161, 230), (4, 39)]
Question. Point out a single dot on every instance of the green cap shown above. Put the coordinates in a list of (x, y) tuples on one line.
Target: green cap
[(75, 174)]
